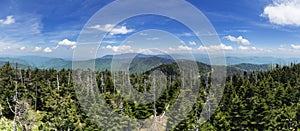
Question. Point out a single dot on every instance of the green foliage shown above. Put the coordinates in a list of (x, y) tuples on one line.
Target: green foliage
[(258, 100)]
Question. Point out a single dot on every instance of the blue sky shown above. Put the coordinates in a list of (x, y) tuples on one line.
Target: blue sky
[(51, 28)]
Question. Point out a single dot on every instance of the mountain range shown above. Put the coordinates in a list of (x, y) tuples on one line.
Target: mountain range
[(140, 63)]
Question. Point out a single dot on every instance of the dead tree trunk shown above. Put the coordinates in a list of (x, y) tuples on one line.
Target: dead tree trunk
[(57, 82), (35, 96)]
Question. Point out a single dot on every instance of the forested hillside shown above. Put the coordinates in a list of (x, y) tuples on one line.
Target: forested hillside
[(45, 99)]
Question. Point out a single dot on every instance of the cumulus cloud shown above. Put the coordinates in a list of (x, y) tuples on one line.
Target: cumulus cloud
[(295, 46), (284, 12), (47, 50), (66, 42), (239, 40), (192, 43), (113, 31), (9, 20), (37, 49)]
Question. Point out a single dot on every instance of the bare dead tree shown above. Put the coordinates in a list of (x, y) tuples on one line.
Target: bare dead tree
[(21, 77), (57, 82), (145, 85), (69, 78), (114, 82), (154, 98), (35, 105), (15, 110), (102, 83)]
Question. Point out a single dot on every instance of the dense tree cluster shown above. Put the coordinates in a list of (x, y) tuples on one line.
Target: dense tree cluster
[(46, 99)]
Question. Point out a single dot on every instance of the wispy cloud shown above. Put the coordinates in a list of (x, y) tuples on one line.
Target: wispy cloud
[(143, 34), (153, 38), (110, 41), (26, 30), (238, 31)]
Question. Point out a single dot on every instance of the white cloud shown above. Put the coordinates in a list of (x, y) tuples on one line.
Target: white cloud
[(184, 48), (220, 47), (239, 40), (67, 42), (253, 48), (284, 12), (37, 49), (201, 47), (246, 48), (9, 20), (243, 47), (295, 46), (192, 43), (23, 48), (108, 46), (120, 49), (127, 49), (215, 47), (47, 50), (110, 28)]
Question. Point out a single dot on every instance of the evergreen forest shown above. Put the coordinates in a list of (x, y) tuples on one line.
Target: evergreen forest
[(47, 99)]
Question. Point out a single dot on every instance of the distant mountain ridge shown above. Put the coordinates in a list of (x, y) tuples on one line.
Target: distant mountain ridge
[(140, 63)]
